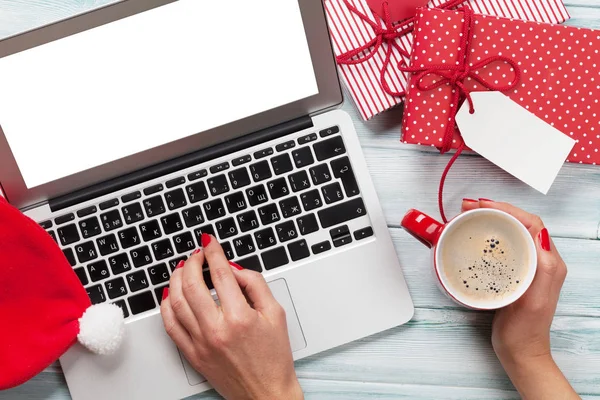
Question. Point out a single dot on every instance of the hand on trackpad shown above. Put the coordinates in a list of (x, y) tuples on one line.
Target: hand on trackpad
[(298, 342)]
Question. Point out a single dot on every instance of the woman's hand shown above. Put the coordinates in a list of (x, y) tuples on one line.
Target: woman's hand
[(241, 346), (521, 331)]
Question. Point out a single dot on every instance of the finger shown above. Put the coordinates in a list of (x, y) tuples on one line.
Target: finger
[(543, 289), (179, 304), (255, 288), (228, 290), (174, 329), (195, 290), (469, 204), (552, 262), (532, 222)]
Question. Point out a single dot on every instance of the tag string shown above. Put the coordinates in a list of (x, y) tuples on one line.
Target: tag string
[(454, 75)]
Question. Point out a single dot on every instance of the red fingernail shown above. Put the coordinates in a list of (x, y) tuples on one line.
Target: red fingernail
[(236, 266), (196, 251), (180, 265), (470, 201), (165, 293), (544, 239), (482, 199), (205, 239)]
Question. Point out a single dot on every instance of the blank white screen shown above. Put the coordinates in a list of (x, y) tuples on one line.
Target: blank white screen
[(148, 80)]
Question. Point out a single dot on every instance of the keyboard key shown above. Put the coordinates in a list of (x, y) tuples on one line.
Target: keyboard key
[(153, 189), (175, 199), (131, 197), (46, 224), (341, 236), (320, 174), (218, 185), (173, 263), (208, 229), (141, 256), (219, 168), (311, 200), (119, 264), (228, 250), (98, 271), (137, 281), (86, 252), (159, 293), (278, 188), (90, 227), (286, 231), (141, 302), (269, 214), (133, 213), (332, 193), (84, 213), (308, 138), (282, 164), (192, 216), (208, 280), (247, 221), (244, 245), (285, 146), (158, 274), (329, 131), (162, 249), (235, 202), (68, 234), (81, 275), (343, 170), (116, 288), (184, 243), (171, 223), (123, 306), (111, 220), (96, 294), (342, 213), (241, 160), (257, 195), (108, 204), (290, 207), (129, 237), (226, 228), (321, 247), (214, 209), (363, 233), (70, 256), (265, 238), (275, 258), (150, 230), (260, 171), (197, 175), (263, 153), (154, 206), (53, 236), (197, 192), (329, 148), (307, 224), (298, 250), (251, 263), (175, 182), (302, 157), (63, 219), (299, 181), (239, 178)]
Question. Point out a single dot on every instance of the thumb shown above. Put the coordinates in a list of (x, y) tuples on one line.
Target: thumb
[(255, 288)]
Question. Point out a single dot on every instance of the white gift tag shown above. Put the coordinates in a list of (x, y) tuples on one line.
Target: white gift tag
[(514, 139)]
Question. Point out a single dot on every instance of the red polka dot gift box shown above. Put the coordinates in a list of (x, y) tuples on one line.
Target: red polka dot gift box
[(371, 46), (551, 70)]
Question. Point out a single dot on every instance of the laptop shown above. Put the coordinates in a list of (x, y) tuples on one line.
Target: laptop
[(130, 130)]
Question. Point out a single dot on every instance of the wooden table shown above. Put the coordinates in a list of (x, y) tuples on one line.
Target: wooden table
[(445, 351)]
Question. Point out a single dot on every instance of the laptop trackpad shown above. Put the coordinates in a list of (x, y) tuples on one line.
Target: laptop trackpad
[(282, 294)]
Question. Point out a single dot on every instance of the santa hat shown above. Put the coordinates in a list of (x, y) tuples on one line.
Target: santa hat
[(44, 309)]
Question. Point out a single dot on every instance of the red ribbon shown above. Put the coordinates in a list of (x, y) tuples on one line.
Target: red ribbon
[(454, 75), (383, 35)]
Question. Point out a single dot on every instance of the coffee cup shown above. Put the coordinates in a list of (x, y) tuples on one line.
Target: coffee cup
[(483, 259)]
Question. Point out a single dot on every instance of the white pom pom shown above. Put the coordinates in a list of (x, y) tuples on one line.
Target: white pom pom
[(101, 328)]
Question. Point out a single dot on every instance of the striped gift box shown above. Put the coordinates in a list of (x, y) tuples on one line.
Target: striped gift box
[(348, 32)]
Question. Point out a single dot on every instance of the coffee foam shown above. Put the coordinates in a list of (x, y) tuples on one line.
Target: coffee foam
[(485, 258)]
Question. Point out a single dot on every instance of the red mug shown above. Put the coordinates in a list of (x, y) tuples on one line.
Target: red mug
[(436, 236)]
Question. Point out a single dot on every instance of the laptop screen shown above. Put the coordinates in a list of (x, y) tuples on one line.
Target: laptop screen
[(148, 80)]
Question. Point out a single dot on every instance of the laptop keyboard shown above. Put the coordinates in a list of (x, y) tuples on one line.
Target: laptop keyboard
[(268, 210)]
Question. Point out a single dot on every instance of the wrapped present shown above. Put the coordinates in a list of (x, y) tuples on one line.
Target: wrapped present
[(371, 47), (551, 70)]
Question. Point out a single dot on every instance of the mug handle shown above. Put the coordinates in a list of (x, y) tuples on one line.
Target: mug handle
[(424, 228)]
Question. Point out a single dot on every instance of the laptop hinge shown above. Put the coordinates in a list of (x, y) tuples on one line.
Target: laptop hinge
[(180, 163)]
